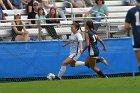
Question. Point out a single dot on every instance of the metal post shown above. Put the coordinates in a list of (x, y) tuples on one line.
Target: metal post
[(72, 16), (39, 29)]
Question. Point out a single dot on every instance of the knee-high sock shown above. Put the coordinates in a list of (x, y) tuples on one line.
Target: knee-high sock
[(61, 71), (98, 60), (139, 68), (101, 74), (80, 63)]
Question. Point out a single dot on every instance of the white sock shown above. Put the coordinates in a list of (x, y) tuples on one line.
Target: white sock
[(61, 71), (80, 63)]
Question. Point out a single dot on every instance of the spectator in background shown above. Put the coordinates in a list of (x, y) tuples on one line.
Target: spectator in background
[(19, 33), (78, 3), (19, 4), (100, 10), (24, 4), (131, 2), (7, 5), (89, 3), (2, 16), (48, 4), (16, 3), (2, 5), (30, 6), (40, 16), (41, 20), (32, 14), (53, 14)]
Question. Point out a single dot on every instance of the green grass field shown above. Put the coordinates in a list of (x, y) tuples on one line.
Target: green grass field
[(92, 85)]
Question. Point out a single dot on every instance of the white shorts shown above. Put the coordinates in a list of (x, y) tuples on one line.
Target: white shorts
[(75, 56)]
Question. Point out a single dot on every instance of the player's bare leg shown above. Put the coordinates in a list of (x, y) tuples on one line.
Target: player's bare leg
[(94, 68), (63, 67), (137, 53)]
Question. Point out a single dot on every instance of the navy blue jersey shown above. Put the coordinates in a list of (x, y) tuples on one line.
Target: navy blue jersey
[(133, 18), (93, 48)]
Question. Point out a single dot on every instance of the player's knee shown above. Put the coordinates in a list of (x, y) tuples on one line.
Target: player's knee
[(72, 64), (64, 64), (87, 64)]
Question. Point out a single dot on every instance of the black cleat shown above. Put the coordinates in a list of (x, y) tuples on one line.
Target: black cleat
[(57, 78)]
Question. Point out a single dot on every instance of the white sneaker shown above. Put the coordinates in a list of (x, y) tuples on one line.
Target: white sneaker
[(103, 61)]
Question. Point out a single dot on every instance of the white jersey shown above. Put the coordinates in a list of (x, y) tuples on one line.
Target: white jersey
[(74, 38)]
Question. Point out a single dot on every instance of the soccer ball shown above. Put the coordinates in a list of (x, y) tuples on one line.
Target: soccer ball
[(50, 76)]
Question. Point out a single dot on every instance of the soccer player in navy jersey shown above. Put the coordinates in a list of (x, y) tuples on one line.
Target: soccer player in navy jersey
[(93, 51), (132, 21)]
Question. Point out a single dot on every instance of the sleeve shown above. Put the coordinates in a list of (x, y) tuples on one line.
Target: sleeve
[(80, 37), (93, 8), (128, 18), (127, 0), (30, 15), (106, 8)]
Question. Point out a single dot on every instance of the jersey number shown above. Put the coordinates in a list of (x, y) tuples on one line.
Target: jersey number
[(94, 38), (137, 14)]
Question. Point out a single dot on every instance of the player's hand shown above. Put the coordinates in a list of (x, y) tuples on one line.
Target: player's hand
[(104, 48), (81, 51), (63, 45)]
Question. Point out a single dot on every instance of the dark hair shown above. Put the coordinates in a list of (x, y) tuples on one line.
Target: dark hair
[(40, 8), (138, 1), (77, 25), (89, 24), (96, 1)]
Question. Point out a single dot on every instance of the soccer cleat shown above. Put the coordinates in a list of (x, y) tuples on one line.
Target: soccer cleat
[(57, 78), (106, 77), (103, 61)]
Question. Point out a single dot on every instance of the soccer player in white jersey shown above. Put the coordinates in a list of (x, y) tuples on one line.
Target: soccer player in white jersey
[(75, 50)]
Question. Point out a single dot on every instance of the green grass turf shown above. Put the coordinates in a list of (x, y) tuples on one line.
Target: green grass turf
[(92, 85)]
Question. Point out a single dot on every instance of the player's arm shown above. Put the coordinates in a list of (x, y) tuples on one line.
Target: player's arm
[(81, 45), (101, 41), (87, 42), (68, 42), (127, 26)]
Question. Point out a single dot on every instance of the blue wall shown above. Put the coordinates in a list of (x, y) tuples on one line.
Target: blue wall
[(37, 59)]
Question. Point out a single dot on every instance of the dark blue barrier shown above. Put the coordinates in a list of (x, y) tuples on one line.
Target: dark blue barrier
[(37, 59)]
